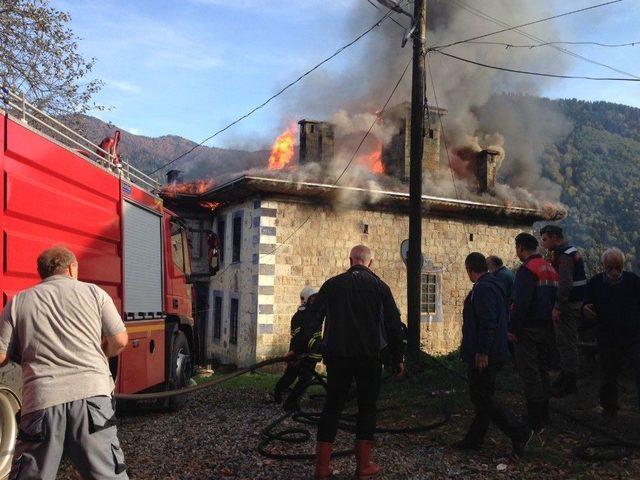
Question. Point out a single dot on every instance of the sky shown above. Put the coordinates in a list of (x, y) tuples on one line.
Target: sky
[(189, 67)]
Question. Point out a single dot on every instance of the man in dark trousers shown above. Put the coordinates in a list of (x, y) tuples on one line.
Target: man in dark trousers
[(484, 350), (503, 274), (572, 286), (303, 368), (530, 327), (613, 301), (360, 319)]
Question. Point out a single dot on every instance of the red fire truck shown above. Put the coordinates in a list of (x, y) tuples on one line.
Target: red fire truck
[(59, 188)]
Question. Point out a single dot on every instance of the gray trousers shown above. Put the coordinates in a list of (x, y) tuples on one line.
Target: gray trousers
[(83, 429), (567, 338), (532, 360)]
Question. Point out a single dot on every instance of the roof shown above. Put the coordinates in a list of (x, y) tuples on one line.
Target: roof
[(245, 186)]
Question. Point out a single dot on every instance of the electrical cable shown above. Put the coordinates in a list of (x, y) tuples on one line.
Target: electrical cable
[(539, 74), (527, 24), (546, 44), (277, 94), (479, 13)]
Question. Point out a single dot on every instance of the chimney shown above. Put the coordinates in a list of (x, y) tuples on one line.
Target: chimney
[(174, 176), (396, 155), (317, 142), (486, 168)]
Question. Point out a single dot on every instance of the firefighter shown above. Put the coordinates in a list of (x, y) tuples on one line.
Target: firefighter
[(360, 319), (567, 310), (530, 326), (304, 367), (62, 331), (613, 301), (484, 350)]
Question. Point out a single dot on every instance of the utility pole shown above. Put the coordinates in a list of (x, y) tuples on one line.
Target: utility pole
[(414, 260)]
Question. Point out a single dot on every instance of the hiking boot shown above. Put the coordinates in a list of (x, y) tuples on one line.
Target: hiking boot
[(323, 456), (365, 468)]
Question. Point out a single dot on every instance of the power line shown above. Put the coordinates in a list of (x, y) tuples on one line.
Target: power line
[(277, 94), (479, 13), (509, 27), (546, 44), (355, 153), (539, 74)]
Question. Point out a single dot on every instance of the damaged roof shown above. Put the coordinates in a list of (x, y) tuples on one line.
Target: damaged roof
[(246, 186)]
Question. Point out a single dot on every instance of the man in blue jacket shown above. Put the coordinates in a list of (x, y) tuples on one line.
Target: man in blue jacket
[(484, 350), (613, 300)]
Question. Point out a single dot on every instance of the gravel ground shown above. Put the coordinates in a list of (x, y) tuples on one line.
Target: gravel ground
[(216, 435)]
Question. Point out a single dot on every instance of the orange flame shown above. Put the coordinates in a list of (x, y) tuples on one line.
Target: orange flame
[(373, 160), (209, 205), (193, 188), (282, 149)]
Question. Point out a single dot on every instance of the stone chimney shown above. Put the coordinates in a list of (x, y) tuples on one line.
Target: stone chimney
[(317, 142), (174, 176), (486, 169), (396, 155)]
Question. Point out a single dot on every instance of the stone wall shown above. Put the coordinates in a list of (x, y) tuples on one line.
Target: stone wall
[(321, 247)]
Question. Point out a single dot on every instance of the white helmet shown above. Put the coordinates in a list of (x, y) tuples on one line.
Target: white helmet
[(306, 293)]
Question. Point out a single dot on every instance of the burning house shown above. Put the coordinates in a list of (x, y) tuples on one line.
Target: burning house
[(278, 234)]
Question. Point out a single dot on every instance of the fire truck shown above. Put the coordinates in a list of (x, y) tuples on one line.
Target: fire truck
[(60, 188)]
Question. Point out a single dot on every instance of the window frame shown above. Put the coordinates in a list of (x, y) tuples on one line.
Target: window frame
[(233, 322), (236, 248), (218, 296), (221, 232)]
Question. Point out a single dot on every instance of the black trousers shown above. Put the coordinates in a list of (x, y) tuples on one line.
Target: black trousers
[(615, 356), (487, 409), (340, 375), (303, 371)]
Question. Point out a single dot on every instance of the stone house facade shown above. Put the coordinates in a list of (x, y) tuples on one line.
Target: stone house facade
[(279, 236)]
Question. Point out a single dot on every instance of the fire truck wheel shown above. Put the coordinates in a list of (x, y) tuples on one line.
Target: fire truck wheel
[(180, 368)]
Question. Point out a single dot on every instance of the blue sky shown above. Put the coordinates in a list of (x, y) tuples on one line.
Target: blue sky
[(188, 67)]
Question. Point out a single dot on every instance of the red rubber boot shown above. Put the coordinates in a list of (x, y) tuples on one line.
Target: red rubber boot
[(323, 455), (365, 470)]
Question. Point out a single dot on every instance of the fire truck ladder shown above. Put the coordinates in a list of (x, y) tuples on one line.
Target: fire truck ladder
[(55, 130)]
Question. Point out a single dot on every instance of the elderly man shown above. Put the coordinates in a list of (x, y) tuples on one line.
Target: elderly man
[(484, 350), (572, 282), (613, 300), (503, 274), (61, 331), (360, 319)]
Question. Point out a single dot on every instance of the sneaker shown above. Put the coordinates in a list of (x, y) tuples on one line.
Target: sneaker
[(520, 445)]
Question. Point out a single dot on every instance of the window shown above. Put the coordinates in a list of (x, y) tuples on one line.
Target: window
[(237, 237), (196, 240), (233, 321), (222, 226), (177, 249), (429, 293), (217, 316)]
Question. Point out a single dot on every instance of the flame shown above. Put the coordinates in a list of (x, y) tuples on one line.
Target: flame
[(193, 188), (373, 160), (282, 149), (209, 205)]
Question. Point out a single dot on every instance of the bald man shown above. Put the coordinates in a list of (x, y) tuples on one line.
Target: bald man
[(360, 320)]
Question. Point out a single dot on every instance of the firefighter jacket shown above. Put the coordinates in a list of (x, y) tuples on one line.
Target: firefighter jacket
[(573, 278), (484, 321), (617, 306), (534, 295), (360, 318), (312, 348)]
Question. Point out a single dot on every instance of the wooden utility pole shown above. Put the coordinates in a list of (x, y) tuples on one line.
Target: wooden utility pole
[(414, 260)]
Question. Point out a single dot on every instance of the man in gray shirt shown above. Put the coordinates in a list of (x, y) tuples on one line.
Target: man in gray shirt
[(61, 332)]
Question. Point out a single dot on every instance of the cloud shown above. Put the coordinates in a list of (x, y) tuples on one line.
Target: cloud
[(123, 86)]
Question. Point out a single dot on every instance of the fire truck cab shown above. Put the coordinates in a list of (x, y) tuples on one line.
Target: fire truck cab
[(56, 190)]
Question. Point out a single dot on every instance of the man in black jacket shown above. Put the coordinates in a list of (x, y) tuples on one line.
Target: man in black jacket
[(484, 350), (360, 319), (613, 300)]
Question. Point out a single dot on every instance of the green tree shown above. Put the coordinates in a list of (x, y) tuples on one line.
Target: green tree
[(39, 57)]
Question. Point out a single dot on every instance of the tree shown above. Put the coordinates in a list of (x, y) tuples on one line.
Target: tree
[(39, 57)]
